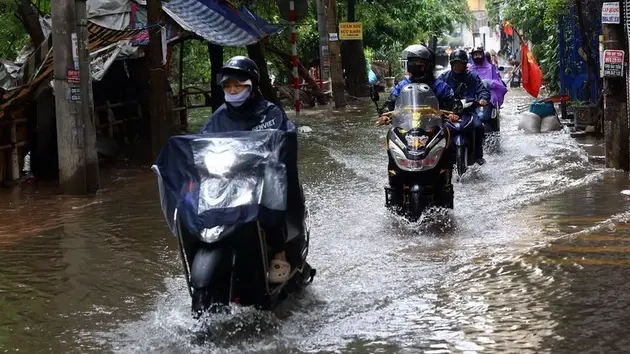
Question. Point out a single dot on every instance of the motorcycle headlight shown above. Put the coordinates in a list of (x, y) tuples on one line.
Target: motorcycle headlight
[(427, 163), (434, 155), (219, 164)]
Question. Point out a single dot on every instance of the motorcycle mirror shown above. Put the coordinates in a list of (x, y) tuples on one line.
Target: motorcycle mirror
[(501, 68)]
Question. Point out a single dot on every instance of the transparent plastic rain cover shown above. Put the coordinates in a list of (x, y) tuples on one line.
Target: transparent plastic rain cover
[(223, 179)]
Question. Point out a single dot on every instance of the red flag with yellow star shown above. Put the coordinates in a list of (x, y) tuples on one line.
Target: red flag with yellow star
[(507, 29), (532, 76)]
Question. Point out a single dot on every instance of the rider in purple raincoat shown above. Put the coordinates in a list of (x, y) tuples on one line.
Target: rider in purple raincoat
[(490, 75)]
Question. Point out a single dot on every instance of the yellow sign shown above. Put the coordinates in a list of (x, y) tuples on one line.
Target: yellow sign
[(350, 31)]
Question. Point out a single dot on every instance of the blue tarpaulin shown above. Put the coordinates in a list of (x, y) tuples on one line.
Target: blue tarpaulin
[(219, 22)]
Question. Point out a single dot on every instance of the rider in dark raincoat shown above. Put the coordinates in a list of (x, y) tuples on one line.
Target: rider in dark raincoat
[(246, 109), (473, 89), (421, 66)]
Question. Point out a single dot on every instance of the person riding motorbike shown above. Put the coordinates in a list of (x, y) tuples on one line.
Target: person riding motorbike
[(246, 109), (420, 68), (494, 61), (489, 72), (473, 89)]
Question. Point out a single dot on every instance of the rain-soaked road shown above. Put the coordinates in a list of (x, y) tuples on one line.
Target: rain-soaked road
[(535, 258)]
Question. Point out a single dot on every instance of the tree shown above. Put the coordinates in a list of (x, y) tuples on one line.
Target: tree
[(353, 61), (539, 21), (390, 25), (30, 19), (160, 113), (19, 22)]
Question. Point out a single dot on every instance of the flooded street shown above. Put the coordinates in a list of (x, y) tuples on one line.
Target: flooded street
[(534, 258)]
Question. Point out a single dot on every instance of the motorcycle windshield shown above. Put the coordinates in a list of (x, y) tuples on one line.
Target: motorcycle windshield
[(222, 179), (416, 108)]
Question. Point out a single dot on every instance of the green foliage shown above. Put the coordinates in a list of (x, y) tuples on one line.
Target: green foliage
[(391, 25), (12, 33), (388, 27), (197, 62), (538, 20)]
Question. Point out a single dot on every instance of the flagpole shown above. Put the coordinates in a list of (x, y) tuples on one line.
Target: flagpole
[(525, 63), (519, 36)]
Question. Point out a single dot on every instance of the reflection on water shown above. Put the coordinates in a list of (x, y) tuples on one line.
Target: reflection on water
[(533, 259)]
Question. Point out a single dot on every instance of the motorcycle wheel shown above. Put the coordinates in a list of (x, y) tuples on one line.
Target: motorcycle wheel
[(445, 197), (204, 302), (415, 208), (461, 160)]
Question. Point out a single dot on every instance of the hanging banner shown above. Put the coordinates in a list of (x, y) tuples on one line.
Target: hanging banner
[(350, 31)]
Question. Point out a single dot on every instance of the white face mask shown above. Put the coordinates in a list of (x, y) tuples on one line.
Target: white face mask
[(238, 99)]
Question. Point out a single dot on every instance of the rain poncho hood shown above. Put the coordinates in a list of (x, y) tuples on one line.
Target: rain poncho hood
[(488, 73)]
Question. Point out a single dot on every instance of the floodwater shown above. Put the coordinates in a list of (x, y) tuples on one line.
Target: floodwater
[(535, 258)]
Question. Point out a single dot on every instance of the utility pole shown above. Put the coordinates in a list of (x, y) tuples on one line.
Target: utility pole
[(353, 60), (336, 73), (87, 102), (159, 101), (615, 101), (76, 135), (324, 53)]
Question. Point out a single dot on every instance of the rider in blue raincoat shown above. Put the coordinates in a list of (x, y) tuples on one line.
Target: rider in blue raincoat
[(246, 109), (473, 89), (420, 65)]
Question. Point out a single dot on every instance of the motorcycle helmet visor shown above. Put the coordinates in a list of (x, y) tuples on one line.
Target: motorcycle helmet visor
[(416, 66)]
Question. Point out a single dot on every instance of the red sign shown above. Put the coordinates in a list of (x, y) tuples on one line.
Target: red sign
[(73, 77), (613, 63), (613, 56)]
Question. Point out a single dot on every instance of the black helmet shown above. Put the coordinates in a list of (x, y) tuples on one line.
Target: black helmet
[(478, 50), (480, 53), (240, 68), (419, 51), (458, 55)]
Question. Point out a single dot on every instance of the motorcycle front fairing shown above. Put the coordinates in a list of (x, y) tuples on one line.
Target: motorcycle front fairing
[(417, 139), (419, 167), (218, 181)]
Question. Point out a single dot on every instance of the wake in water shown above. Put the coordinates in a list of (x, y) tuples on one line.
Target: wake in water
[(169, 327), (379, 276)]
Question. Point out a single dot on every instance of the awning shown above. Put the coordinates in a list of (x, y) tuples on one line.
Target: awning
[(100, 38), (219, 22)]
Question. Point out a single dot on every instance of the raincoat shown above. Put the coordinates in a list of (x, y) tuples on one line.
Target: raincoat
[(474, 86), (259, 114), (442, 91), (491, 77)]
